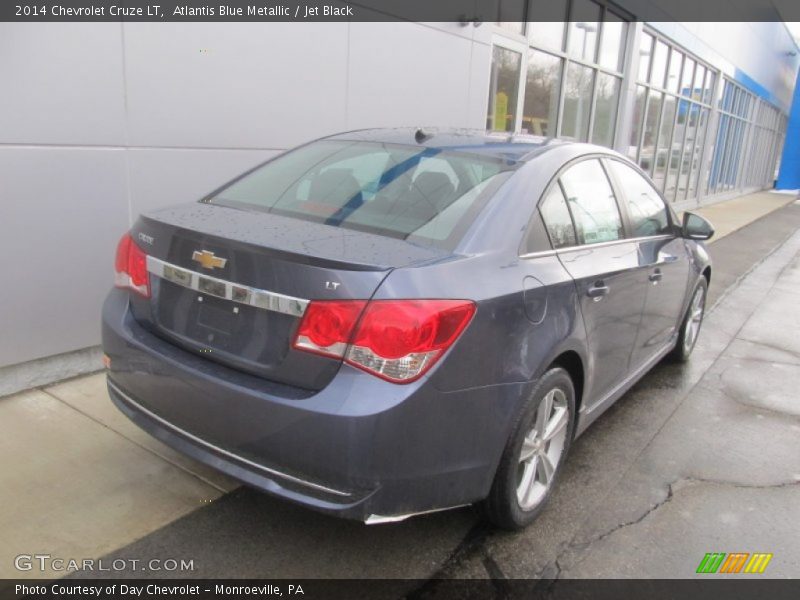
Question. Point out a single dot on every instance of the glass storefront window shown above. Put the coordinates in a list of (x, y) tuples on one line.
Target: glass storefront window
[(698, 152), (709, 87), (674, 75), (605, 110), (636, 125), (548, 34), (659, 64), (503, 87), (665, 151), (648, 152), (577, 102), (612, 44), (511, 15), (677, 155), (645, 55), (699, 82), (542, 85), (688, 77), (691, 113), (584, 27)]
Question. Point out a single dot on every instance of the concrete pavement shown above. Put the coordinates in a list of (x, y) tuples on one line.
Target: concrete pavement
[(686, 442)]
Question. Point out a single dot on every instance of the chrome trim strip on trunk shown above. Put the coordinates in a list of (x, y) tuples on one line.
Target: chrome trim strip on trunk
[(235, 292), (217, 449)]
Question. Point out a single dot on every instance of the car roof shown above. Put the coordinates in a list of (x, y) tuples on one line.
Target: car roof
[(508, 146)]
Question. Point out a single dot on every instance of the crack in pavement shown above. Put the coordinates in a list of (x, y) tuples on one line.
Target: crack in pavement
[(771, 347), (672, 488)]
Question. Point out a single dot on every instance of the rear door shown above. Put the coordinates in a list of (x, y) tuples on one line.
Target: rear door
[(603, 265), (663, 260)]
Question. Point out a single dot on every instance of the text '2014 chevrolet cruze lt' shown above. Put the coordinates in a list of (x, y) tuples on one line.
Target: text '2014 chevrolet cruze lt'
[(389, 322)]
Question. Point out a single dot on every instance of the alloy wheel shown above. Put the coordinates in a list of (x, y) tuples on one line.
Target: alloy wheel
[(695, 319), (542, 449)]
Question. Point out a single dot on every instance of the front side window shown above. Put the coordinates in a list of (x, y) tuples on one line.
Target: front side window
[(409, 192), (646, 209), (591, 201), (555, 215)]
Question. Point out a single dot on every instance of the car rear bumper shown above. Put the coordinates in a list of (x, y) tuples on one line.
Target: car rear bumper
[(361, 448)]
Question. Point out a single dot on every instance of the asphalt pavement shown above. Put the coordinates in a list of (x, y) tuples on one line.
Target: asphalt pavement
[(696, 458)]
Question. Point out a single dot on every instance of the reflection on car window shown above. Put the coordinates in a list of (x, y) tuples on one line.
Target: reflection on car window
[(556, 218), (426, 195), (647, 210), (591, 202)]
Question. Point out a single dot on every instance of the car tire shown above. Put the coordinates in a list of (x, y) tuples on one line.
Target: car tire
[(691, 324), (512, 505)]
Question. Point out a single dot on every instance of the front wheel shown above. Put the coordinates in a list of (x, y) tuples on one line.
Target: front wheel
[(690, 327), (534, 454)]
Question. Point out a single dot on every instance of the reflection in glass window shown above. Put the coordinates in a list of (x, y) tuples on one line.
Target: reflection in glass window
[(584, 27), (541, 94), (514, 26), (605, 110), (612, 46), (645, 55), (648, 153), (709, 87), (503, 87), (647, 211), (674, 76), (548, 34), (665, 153), (511, 15), (698, 152), (636, 125), (699, 78), (690, 148), (688, 77), (395, 190), (659, 64), (577, 102), (555, 215), (591, 202)]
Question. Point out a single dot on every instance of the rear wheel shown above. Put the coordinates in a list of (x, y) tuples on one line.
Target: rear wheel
[(534, 454), (692, 321)]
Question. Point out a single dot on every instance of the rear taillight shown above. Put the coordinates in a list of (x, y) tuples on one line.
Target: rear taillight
[(131, 267), (398, 340), (327, 326)]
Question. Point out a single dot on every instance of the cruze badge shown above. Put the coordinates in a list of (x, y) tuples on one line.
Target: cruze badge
[(208, 260)]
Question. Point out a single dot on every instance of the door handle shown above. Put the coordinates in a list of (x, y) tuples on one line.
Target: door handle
[(597, 291), (656, 276)]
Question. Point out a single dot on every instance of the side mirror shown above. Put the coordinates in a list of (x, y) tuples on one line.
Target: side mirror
[(696, 227)]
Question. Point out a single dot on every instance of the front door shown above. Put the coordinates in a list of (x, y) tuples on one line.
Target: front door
[(663, 260)]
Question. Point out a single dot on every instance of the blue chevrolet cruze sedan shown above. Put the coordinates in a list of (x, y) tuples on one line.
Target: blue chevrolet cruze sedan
[(384, 323)]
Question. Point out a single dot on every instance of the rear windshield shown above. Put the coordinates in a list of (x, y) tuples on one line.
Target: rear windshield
[(419, 194)]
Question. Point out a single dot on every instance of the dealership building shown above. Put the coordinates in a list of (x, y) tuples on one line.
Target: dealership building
[(100, 122)]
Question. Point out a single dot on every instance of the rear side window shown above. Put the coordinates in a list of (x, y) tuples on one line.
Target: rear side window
[(592, 203), (410, 192), (556, 218), (646, 209)]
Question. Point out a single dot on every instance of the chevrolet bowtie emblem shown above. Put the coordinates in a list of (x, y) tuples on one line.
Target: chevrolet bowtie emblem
[(208, 260)]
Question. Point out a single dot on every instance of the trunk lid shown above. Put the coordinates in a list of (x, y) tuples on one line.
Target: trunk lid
[(232, 284)]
